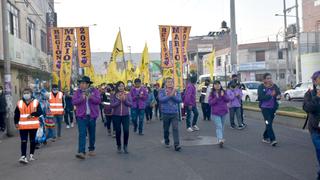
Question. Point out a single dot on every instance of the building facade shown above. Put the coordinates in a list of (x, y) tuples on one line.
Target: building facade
[(311, 15), (28, 45)]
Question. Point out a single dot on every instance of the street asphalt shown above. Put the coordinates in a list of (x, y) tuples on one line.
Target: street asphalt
[(244, 156)]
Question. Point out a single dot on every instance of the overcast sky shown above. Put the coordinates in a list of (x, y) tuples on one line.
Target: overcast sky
[(139, 19)]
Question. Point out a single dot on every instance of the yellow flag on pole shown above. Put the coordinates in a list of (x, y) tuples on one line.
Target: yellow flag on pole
[(130, 71), (112, 73), (210, 63), (144, 67), (117, 48)]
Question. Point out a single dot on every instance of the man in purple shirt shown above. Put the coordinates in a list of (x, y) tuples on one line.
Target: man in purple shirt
[(139, 96), (87, 100), (190, 104)]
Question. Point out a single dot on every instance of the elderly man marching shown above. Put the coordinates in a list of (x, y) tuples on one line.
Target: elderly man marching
[(87, 100), (56, 110)]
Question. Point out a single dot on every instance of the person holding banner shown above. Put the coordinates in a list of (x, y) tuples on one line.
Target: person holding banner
[(139, 96), (169, 99), (87, 100), (189, 102)]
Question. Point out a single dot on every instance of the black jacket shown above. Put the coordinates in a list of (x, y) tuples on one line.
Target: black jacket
[(3, 103), (311, 105), (17, 112)]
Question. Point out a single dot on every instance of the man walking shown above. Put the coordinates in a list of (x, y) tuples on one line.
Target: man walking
[(190, 104)]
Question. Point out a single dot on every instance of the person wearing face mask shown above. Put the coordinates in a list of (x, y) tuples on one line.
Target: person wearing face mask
[(3, 106), (204, 98), (26, 119), (56, 110), (106, 100), (87, 100), (312, 106), (268, 96)]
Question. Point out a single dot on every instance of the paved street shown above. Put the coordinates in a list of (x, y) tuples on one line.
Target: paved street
[(244, 156)]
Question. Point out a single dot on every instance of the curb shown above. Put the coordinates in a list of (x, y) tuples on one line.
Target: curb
[(282, 113)]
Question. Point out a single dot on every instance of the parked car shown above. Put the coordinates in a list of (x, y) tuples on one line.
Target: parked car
[(298, 91), (250, 90)]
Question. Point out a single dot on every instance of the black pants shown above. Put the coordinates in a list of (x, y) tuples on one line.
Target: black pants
[(206, 110), (156, 109), (108, 123), (67, 115), (148, 113), (124, 121), (24, 140), (2, 120), (268, 115)]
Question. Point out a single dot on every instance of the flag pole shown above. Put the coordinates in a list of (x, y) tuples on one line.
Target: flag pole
[(123, 59)]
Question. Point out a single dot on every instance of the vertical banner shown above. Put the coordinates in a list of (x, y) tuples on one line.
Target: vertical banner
[(83, 42), (177, 57), (184, 42), (67, 55), (165, 54), (56, 34)]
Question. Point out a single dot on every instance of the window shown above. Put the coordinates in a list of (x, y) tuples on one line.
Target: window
[(260, 56), (252, 85), (218, 61), (43, 41), (13, 20), (280, 54), (282, 75), (30, 32), (259, 77)]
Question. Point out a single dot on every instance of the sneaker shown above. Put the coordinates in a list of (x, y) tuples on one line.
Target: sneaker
[(241, 127), (167, 145), (274, 143), (119, 150), (53, 140), (125, 149), (233, 127), (221, 142), (141, 134), (31, 158), (190, 129), (109, 132), (114, 135), (81, 156), (267, 141), (195, 128), (72, 124), (68, 127), (92, 153), (177, 148), (23, 160)]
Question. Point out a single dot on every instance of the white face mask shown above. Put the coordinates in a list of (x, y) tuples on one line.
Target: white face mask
[(27, 96), (1, 91), (129, 84)]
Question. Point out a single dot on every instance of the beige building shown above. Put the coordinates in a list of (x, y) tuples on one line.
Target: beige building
[(311, 15), (28, 51)]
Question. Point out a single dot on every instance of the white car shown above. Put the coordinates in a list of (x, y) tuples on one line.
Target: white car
[(298, 91), (250, 90)]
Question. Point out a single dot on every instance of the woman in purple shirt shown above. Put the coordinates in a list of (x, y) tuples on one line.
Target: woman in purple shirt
[(268, 94)]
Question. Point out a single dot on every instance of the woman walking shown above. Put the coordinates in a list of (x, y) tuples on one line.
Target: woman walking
[(218, 101), (120, 103)]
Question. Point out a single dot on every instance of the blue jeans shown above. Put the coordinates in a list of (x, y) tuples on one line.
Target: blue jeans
[(83, 125), (219, 122), (137, 119), (51, 133), (58, 120), (316, 142), (268, 115), (195, 116)]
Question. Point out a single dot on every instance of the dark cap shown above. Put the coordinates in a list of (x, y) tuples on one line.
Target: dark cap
[(85, 79)]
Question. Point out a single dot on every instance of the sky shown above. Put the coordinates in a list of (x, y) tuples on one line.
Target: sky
[(139, 19)]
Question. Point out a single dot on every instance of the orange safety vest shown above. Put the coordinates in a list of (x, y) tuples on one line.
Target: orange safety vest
[(56, 106), (25, 111)]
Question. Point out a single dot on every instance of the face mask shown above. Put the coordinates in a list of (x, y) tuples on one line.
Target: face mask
[(55, 91), (27, 96), (318, 87), (129, 84)]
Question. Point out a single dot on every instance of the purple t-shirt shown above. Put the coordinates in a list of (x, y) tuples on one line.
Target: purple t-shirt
[(271, 102)]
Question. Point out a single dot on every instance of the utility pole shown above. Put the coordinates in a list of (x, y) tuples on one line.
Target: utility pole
[(278, 71), (233, 39), (288, 73), (299, 75), (7, 71)]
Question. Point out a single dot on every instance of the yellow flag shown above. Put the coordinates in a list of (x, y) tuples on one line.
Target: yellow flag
[(144, 67), (112, 73), (130, 71), (55, 78), (117, 48), (89, 71), (210, 63)]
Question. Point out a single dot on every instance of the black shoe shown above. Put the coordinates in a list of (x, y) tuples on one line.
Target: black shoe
[(125, 149), (119, 150), (241, 127), (274, 143), (177, 148), (233, 126), (2, 129), (141, 134)]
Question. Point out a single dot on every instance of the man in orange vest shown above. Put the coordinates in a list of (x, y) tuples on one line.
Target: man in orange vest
[(56, 109), (26, 120)]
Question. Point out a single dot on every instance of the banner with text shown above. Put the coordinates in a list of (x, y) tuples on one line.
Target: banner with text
[(165, 54), (67, 55), (185, 42), (177, 56), (83, 41), (56, 34)]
